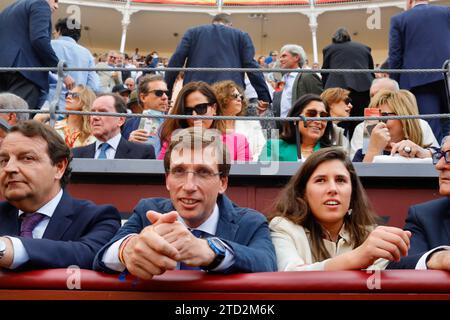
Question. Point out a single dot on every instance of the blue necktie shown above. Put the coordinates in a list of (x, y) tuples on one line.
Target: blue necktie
[(198, 234), (103, 147)]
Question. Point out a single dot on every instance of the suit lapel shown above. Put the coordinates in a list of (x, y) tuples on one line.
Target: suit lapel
[(9, 221), (226, 227), (61, 220)]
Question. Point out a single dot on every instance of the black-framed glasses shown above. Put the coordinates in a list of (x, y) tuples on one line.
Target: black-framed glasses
[(159, 93), (437, 154), (234, 96), (348, 100), (202, 173), (315, 114), (74, 95), (200, 109)]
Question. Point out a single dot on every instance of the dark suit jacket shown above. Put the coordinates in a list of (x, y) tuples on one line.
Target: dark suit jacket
[(125, 150), (304, 83), (429, 224), (217, 46), (244, 230), (418, 39), (25, 34), (347, 55), (76, 231)]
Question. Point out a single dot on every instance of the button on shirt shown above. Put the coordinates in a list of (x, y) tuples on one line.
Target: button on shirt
[(286, 95), (20, 254), (111, 151)]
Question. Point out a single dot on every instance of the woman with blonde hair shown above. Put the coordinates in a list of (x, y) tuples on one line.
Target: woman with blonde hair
[(75, 129), (233, 103), (396, 137), (323, 220)]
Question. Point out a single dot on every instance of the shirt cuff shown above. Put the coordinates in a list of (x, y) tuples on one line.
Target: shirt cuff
[(111, 256), (20, 253), (422, 263), (228, 261)]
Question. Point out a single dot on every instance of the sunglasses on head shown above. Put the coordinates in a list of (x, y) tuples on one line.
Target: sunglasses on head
[(348, 100), (315, 114), (199, 109), (159, 93), (72, 94)]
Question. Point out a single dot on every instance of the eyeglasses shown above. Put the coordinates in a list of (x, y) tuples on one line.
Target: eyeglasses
[(159, 93), (348, 100), (72, 94), (234, 96), (199, 109), (315, 114), (202, 173), (437, 154)]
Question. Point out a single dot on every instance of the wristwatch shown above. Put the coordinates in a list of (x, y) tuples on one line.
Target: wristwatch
[(2, 248), (219, 249)]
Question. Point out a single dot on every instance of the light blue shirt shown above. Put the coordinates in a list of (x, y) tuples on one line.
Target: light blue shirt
[(286, 95), (20, 253), (111, 151), (75, 56)]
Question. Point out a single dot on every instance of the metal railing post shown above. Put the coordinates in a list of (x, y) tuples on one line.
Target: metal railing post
[(59, 85)]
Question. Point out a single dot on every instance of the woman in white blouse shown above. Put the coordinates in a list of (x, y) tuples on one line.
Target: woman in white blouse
[(233, 103), (323, 220)]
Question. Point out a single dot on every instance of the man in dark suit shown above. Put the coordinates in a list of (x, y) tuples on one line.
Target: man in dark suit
[(198, 227), (41, 225), (217, 45), (344, 53), (25, 34), (110, 144), (418, 40), (429, 224)]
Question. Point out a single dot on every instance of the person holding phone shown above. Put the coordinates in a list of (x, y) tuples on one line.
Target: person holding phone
[(396, 137)]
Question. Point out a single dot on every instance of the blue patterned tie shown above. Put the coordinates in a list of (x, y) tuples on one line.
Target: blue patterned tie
[(29, 222), (103, 147), (198, 234)]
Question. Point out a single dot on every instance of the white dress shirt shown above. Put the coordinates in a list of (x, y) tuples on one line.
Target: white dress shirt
[(111, 256), (113, 144), (20, 254), (286, 95), (422, 263)]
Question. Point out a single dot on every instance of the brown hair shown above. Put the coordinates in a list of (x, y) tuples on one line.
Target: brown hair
[(291, 203), (334, 95), (170, 125), (57, 149), (224, 90)]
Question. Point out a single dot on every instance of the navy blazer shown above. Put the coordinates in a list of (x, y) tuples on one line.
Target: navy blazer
[(244, 230), (25, 34), (429, 224), (347, 55), (125, 150), (217, 46), (76, 231), (418, 39)]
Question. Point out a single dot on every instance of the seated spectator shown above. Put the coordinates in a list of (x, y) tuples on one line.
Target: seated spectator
[(110, 144), (429, 224), (298, 141), (233, 103), (41, 225), (155, 102), (123, 91), (130, 83), (75, 129), (198, 98), (395, 137), (323, 220), (340, 105), (13, 102), (198, 227), (133, 104)]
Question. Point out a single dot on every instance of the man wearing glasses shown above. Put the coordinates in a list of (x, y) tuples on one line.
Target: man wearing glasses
[(198, 227), (153, 96), (429, 223)]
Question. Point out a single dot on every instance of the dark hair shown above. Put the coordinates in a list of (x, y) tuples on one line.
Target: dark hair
[(73, 31), (197, 136), (224, 89), (145, 80), (291, 203), (119, 102), (57, 149), (170, 125), (341, 35), (224, 18), (289, 128)]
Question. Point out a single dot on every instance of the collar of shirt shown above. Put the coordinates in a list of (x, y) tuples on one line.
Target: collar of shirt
[(343, 234), (113, 142), (210, 225), (151, 112), (49, 208), (67, 39)]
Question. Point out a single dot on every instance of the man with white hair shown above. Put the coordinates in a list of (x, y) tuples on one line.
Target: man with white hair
[(7, 120)]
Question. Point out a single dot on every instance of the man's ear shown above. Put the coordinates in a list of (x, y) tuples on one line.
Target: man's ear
[(61, 168), (223, 185)]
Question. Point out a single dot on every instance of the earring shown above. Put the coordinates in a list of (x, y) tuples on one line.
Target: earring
[(349, 212)]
